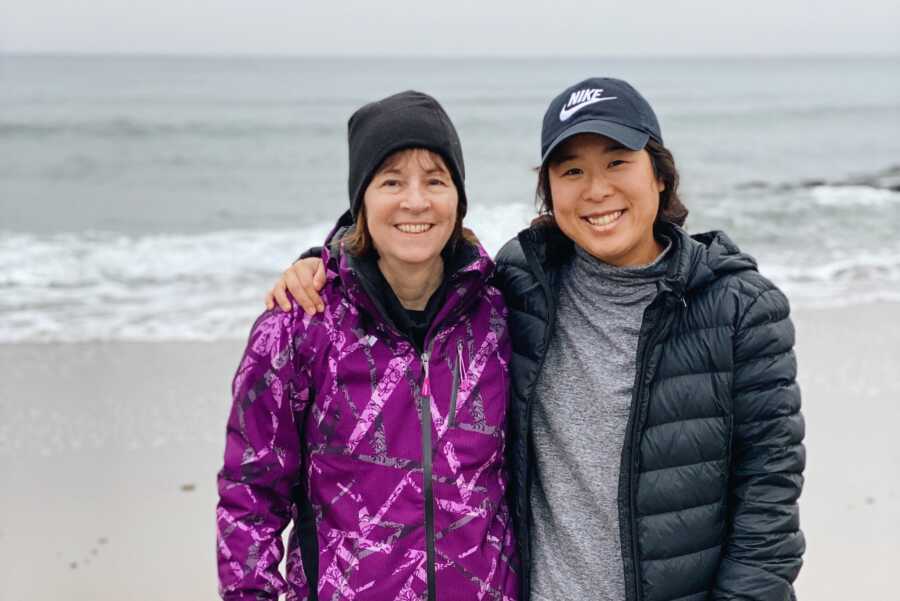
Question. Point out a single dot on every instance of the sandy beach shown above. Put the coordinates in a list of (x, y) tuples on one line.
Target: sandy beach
[(108, 456)]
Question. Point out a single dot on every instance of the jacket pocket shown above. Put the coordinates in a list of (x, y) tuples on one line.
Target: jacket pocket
[(729, 453), (454, 392), (460, 378)]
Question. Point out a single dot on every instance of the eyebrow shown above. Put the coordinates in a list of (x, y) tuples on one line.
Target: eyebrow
[(395, 171)]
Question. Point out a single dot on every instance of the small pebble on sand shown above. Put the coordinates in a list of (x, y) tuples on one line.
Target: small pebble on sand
[(870, 500), (188, 487), (73, 565)]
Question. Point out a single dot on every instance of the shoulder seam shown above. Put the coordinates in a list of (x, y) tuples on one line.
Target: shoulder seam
[(753, 301)]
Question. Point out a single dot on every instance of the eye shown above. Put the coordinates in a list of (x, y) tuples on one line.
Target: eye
[(390, 183), (617, 162), (436, 181), (572, 171)]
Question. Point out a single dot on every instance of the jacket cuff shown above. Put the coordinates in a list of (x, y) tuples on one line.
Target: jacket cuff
[(312, 252)]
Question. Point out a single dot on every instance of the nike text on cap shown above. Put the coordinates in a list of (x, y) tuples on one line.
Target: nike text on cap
[(599, 105)]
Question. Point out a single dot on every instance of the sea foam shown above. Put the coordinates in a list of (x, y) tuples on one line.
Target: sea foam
[(210, 286)]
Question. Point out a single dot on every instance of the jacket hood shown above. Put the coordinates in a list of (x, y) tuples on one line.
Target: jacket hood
[(699, 259)]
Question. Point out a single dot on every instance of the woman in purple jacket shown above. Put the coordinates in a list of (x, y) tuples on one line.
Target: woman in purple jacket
[(377, 426)]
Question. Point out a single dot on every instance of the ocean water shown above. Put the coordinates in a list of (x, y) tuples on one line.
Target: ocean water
[(148, 198)]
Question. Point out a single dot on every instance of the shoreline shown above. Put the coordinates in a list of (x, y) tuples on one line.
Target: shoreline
[(109, 452)]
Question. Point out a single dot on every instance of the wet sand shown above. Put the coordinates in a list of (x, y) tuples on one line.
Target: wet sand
[(108, 456)]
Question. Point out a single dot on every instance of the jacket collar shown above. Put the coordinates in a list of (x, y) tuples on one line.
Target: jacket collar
[(695, 261), (468, 268)]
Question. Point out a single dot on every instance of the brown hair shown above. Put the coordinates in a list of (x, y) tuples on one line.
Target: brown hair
[(358, 241), (671, 209)]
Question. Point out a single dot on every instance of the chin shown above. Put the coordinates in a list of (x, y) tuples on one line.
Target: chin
[(594, 242), (607, 253), (414, 258)]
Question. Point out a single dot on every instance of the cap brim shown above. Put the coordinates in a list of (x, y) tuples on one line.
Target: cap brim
[(627, 136)]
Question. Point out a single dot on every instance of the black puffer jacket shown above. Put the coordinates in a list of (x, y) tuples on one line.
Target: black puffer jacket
[(712, 462)]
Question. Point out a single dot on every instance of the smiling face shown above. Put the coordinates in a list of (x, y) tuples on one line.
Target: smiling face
[(605, 198), (410, 207)]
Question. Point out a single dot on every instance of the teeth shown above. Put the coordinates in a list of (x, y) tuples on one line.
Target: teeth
[(413, 228), (604, 219)]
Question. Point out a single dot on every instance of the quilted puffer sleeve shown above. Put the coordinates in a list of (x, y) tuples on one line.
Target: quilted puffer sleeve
[(262, 462), (764, 550)]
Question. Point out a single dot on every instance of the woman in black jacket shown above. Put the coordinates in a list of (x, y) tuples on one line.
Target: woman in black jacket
[(655, 435)]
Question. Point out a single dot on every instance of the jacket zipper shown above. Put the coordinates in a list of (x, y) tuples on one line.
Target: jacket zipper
[(427, 468), (645, 342), (636, 398), (426, 479), (551, 324)]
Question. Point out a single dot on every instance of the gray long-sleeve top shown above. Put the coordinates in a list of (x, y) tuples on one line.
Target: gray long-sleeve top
[(583, 399)]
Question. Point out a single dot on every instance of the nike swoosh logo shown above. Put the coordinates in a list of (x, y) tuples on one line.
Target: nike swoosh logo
[(565, 113)]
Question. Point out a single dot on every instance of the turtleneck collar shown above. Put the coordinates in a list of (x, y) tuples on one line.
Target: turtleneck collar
[(586, 265)]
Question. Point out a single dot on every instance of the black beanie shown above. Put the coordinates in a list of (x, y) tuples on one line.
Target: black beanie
[(405, 120)]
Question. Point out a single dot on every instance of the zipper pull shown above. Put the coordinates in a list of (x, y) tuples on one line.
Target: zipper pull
[(426, 386)]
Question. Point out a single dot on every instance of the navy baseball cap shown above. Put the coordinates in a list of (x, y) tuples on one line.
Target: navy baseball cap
[(599, 105)]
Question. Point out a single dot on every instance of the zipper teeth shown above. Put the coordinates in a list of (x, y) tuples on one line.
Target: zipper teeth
[(530, 455), (631, 475), (426, 460), (637, 402), (632, 450), (649, 342), (426, 481), (551, 305)]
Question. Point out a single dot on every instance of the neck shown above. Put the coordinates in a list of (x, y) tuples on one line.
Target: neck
[(640, 258), (413, 284), (649, 255)]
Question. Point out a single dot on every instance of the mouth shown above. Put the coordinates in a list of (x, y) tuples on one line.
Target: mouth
[(414, 228), (605, 221)]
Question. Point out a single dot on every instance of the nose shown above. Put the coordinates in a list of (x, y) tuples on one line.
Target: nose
[(416, 199), (600, 189)]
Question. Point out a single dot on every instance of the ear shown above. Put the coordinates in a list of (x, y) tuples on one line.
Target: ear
[(661, 184)]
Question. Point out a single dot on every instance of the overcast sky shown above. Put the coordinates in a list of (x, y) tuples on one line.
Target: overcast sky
[(452, 27)]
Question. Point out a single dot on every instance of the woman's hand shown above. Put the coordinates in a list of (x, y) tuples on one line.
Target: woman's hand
[(302, 280)]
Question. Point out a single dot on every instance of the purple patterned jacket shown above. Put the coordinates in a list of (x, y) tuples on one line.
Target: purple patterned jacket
[(326, 430)]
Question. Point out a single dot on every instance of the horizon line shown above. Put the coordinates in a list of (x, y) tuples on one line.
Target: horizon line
[(436, 56)]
